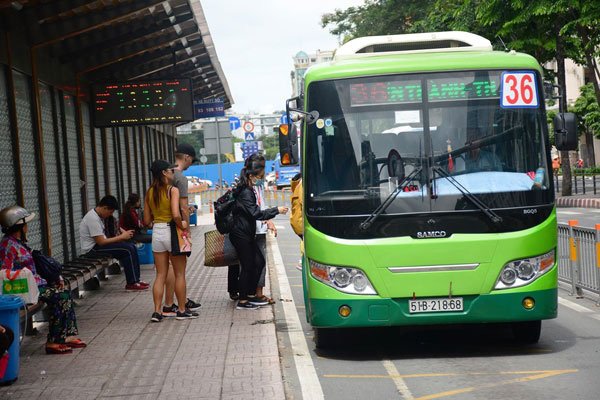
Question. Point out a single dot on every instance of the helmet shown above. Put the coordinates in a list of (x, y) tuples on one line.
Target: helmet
[(14, 215)]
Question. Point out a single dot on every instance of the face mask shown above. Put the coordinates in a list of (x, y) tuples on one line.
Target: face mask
[(258, 182)]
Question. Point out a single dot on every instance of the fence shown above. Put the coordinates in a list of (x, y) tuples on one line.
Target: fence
[(273, 198), (579, 258), (581, 183)]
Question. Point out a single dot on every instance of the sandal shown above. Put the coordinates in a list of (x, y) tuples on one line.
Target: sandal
[(60, 349), (76, 344), (267, 299)]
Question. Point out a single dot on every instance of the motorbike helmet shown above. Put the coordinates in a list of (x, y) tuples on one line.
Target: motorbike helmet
[(14, 215)]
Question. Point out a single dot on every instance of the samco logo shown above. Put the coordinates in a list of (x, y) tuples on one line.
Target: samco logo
[(431, 234)]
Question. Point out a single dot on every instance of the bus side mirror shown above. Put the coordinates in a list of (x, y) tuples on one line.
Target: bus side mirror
[(288, 144), (565, 131)]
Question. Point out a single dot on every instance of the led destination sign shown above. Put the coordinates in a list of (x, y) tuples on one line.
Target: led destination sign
[(142, 102), (410, 91)]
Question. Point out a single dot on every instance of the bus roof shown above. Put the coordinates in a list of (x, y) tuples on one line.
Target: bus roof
[(398, 63)]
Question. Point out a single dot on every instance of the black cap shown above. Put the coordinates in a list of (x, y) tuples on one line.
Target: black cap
[(159, 166), (185, 148)]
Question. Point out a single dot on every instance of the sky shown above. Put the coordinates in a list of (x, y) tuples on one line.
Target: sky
[(255, 41)]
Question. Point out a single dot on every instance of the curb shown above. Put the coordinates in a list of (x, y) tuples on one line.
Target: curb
[(578, 202)]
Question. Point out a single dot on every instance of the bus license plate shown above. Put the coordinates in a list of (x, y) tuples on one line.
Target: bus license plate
[(435, 305)]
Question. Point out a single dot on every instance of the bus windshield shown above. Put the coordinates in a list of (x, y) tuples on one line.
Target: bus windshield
[(436, 135)]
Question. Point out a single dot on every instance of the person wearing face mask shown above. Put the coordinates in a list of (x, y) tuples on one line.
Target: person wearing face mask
[(262, 227), (243, 236)]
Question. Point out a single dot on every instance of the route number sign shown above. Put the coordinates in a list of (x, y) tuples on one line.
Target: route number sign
[(519, 90), (248, 126)]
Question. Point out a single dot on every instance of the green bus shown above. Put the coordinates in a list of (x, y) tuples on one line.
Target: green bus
[(428, 197)]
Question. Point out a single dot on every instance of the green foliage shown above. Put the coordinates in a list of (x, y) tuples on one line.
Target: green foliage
[(550, 119), (587, 110), (379, 17), (270, 146)]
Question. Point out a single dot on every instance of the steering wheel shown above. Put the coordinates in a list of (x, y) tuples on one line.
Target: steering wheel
[(395, 165)]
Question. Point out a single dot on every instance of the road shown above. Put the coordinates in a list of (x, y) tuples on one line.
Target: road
[(455, 362), (587, 217)]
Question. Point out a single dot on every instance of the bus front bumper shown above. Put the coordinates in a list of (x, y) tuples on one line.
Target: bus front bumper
[(483, 308)]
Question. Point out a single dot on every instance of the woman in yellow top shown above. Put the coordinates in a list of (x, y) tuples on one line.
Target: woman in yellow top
[(162, 210)]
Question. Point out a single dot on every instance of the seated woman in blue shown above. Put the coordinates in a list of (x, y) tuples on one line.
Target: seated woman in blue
[(14, 256)]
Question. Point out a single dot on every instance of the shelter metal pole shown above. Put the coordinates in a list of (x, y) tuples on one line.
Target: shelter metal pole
[(218, 151), (37, 112), (15, 126)]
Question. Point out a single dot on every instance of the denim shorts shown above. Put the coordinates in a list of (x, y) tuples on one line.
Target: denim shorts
[(161, 237)]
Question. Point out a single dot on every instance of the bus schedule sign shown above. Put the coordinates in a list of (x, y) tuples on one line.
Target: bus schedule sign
[(142, 102)]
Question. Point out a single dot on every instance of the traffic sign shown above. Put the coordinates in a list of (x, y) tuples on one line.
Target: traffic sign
[(283, 119), (249, 148), (248, 126), (206, 108), (249, 136), (234, 123)]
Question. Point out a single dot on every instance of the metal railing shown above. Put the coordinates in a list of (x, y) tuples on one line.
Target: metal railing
[(581, 183), (273, 198), (579, 258)]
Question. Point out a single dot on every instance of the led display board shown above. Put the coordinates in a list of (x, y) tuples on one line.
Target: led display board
[(142, 102), (443, 87)]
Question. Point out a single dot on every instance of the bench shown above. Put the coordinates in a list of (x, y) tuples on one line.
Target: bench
[(83, 272)]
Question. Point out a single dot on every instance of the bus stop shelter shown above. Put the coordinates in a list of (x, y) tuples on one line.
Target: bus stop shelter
[(54, 161)]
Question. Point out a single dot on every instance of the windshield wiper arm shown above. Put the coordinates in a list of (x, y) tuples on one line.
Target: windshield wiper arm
[(474, 199), (366, 224)]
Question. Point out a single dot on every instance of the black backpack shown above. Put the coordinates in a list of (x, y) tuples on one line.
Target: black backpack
[(223, 208), (47, 267)]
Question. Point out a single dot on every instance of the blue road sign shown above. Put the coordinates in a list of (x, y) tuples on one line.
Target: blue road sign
[(207, 108), (249, 148), (284, 119), (249, 136), (234, 123)]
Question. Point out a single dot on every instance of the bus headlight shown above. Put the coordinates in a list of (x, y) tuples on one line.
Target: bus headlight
[(522, 272), (345, 279)]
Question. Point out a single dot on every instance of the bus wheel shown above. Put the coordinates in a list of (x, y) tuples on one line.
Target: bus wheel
[(324, 337), (527, 332)]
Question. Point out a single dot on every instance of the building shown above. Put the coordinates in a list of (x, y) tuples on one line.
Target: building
[(301, 63), (54, 160)]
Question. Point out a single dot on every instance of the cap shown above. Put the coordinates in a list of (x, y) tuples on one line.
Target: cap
[(159, 166), (185, 148), (14, 215)]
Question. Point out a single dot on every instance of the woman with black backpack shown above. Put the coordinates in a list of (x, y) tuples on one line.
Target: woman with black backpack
[(243, 233), (14, 256)]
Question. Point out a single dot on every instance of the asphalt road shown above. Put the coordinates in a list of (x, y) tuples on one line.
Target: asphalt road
[(586, 217), (454, 362)]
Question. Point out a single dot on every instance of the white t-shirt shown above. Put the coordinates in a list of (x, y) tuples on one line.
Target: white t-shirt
[(259, 191), (91, 225)]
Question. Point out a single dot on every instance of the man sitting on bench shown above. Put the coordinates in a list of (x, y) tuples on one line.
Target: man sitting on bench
[(95, 242)]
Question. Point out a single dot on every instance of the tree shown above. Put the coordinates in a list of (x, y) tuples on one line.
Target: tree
[(536, 27), (588, 116), (378, 17)]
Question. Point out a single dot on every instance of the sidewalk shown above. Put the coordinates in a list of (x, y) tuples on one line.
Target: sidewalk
[(224, 354), (578, 200)]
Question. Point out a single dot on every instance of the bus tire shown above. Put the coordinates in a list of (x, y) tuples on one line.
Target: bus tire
[(527, 332), (324, 337)]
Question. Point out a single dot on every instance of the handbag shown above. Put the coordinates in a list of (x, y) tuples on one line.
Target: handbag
[(20, 283), (181, 245), (47, 267), (218, 250)]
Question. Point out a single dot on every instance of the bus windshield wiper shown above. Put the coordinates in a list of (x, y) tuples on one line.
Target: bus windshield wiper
[(474, 199), (366, 224)]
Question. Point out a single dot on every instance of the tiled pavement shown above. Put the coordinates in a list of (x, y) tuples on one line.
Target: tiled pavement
[(224, 354)]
